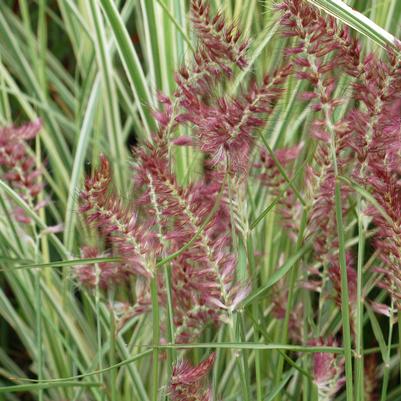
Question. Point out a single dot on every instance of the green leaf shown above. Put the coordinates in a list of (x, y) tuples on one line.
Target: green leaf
[(132, 65), (356, 20), (255, 346), (64, 263), (34, 387), (377, 332), (277, 275)]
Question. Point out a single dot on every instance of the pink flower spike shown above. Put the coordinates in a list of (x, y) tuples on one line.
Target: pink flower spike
[(239, 295), (188, 382), (103, 209), (183, 141), (381, 309), (18, 167), (327, 370), (53, 229)]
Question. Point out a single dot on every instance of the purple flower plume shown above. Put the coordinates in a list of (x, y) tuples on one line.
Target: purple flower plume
[(181, 212), (323, 49), (119, 223), (387, 192), (220, 40), (109, 272), (188, 383), (328, 370), (220, 48), (225, 129), (19, 167)]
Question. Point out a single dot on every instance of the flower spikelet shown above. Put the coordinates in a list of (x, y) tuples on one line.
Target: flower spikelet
[(219, 49), (328, 370), (221, 41), (387, 192), (135, 242), (323, 47), (375, 129), (19, 167), (181, 212), (225, 129), (109, 272), (188, 382), (289, 206)]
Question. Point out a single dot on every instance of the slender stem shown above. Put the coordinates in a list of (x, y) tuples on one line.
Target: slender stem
[(291, 297), (113, 372), (241, 363), (156, 338), (216, 377), (399, 338), (359, 382), (39, 345), (98, 327), (245, 358), (171, 354), (386, 370), (255, 314), (344, 295), (342, 259)]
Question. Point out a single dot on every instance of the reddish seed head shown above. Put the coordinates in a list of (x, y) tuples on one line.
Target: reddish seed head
[(220, 41), (109, 272), (226, 130), (327, 370), (188, 382), (18, 166), (102, 208)]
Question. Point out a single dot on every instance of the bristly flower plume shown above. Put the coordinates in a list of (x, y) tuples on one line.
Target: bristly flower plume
[(269, 173), (135, 242), (375, 130), (109, 272), (181, 213), (220, 48), (374, 134), (224, 126), (328, 370), (220, 40), (323, 48), (225, 129), (19, 167), (387, 192), (188, 383)]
